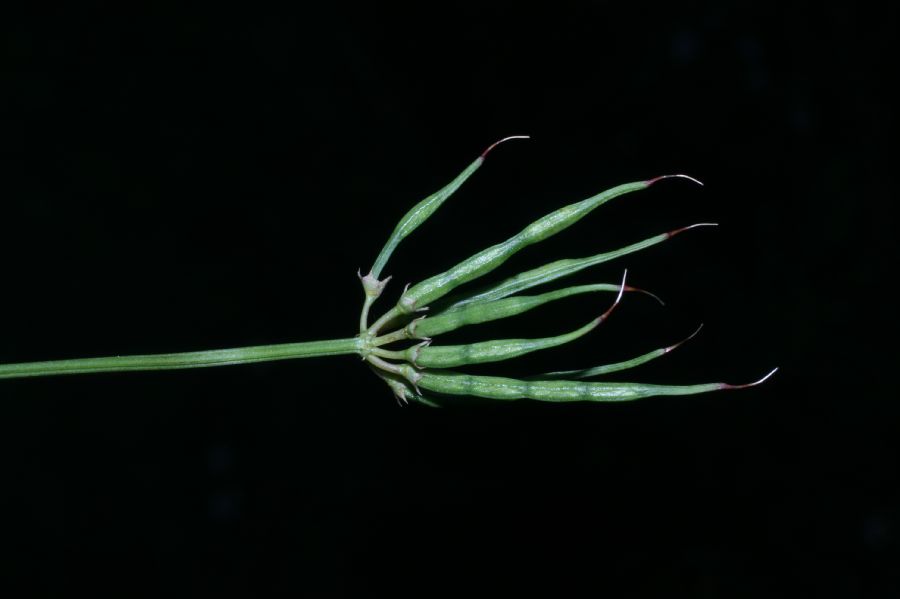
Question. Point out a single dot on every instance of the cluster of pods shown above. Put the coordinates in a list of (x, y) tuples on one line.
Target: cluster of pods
[(433, 307), (427, 309)]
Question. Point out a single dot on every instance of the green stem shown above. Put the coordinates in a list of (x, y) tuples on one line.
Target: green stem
[(398, 335), (364, 315), (383, 365), (385, 318), (197, 359), (391, 355)]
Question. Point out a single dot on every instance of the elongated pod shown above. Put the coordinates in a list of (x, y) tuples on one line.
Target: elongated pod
[(453, 319), (616, 366), (492, 387), (420, 295), (419, 213), (448, 356), (558, 269)]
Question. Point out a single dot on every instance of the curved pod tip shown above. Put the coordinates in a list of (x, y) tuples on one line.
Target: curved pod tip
[(497, 143), (753, 384), (645, 292), (675, 346), (622, 288), (678, 176), (672, 234)]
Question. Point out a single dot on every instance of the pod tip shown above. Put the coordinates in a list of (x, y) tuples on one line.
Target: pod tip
[(497, 143), (671, 234), (609, 311), (678, 176), (645, 292), (753, 384), (683, 341)]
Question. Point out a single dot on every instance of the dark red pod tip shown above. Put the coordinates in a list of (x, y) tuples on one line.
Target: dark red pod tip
[(497, 143), (671, 234), (622, 288), (678, 176), (645, 292), (748, 385), (683, 341)]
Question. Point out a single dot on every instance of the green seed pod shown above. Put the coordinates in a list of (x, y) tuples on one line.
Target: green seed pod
[(490, 387), (424, 209), (422, 294), (560, 268), (455, 318), (616, 367), (449, 356)]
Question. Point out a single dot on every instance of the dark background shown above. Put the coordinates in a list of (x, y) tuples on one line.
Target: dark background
[(180, 178)]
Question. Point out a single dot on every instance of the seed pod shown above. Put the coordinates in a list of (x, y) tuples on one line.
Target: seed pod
[(448, 356), (560, 268), (455, 318), (490, 387), (617, 366), (424, 209), (422, 294)]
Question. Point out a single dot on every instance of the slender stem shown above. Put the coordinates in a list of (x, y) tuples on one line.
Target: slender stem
[(398, 335), (385, 365), (392, 355), (385, 318), (364, 315), (198, 359)]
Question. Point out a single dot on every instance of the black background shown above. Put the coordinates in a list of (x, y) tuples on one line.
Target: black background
[(180, 178)]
